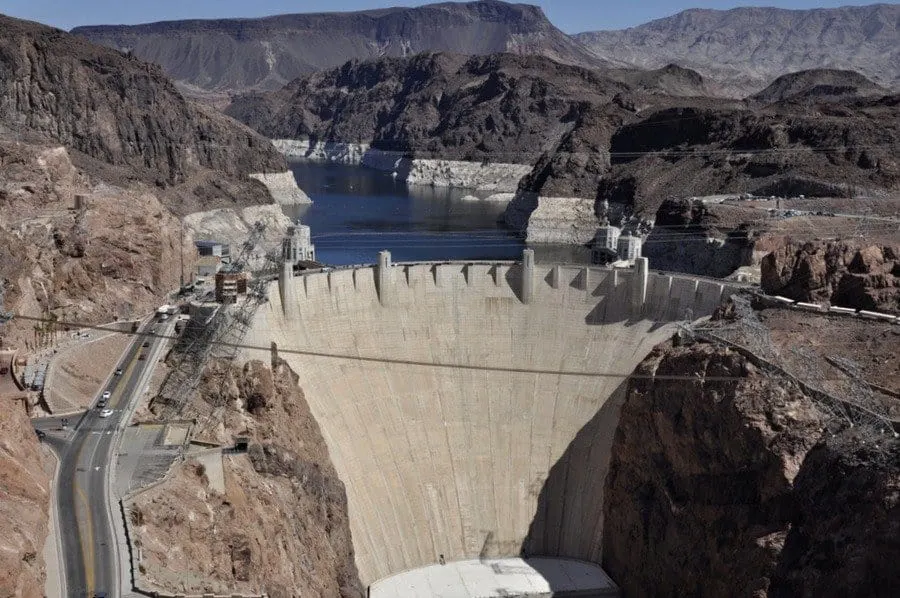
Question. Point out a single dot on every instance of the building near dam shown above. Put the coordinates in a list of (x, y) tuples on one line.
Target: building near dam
[(297, 246), (610, 245), (469, 409)]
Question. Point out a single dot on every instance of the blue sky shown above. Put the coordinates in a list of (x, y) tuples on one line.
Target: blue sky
[(571, 16)]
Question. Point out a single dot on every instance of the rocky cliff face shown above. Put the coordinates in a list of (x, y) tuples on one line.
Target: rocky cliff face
[(745, 48), (24, 501), (241, 54), (92, 265), (118, 109), (278, 524), (725, 485), (844, 273)]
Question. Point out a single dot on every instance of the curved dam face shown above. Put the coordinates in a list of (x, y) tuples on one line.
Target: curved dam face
[(477, 418)]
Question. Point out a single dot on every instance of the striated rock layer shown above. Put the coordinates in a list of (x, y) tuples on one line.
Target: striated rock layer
[(746, 47), (229, 55)]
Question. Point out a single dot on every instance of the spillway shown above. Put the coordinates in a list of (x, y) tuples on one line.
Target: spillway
[(469, 408)]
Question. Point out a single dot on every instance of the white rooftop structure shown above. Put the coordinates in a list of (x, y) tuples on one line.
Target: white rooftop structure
[(494, 578)]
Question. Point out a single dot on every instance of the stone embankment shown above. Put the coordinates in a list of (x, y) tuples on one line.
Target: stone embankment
[(485, 177)]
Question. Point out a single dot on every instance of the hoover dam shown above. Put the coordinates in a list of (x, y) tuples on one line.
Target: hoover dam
[(470, 408)]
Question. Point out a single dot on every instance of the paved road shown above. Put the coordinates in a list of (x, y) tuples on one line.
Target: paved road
[(85, 451)]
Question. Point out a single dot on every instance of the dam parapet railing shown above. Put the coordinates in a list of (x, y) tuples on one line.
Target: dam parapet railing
[(638, 292)]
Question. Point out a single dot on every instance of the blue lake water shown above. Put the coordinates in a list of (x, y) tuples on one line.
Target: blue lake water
[(357, 212)]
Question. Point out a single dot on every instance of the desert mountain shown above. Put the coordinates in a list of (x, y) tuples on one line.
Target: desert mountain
[(818, 85), (120, 111), (748, 47), (266, 53)]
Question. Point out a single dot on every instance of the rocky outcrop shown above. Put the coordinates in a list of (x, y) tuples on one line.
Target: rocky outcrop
[(843, 273), (239, 54), (687, 237), (234, 227), (282, 187), (501, 108), (843, 540), (119, 110), (555, 220), (745, 48), (24, 505), (724, 482), (280, 527), (613, 138)]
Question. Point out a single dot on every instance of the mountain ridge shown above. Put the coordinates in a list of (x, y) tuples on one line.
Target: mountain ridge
[(747, 47), (229, 55)]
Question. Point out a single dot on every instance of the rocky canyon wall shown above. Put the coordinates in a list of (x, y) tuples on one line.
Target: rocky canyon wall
[(731, 483)]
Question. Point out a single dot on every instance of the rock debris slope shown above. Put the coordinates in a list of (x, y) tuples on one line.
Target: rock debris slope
[(744, 48), (240, 54)]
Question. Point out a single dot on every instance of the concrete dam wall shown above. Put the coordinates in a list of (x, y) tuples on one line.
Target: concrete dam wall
[(477, 418)]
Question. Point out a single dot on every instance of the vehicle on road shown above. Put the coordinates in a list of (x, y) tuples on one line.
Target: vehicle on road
[(106, 394), (118, 371), (101, 403), (106, 413), (142, 357), (146, 344)]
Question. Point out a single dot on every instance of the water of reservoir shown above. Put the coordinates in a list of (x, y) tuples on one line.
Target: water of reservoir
[(357, 212)]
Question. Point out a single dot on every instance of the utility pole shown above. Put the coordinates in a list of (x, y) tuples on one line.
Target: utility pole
[(181, 248)]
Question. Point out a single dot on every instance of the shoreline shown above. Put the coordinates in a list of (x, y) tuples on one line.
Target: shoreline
[(481, 177)]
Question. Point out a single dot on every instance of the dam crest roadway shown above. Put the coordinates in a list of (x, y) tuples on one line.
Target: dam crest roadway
[(477, 416)]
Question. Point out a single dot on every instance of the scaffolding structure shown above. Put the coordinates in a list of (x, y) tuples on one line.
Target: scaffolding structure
[(216, 337)]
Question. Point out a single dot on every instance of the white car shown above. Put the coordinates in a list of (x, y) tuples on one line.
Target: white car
[(106, 413), (106, 394)]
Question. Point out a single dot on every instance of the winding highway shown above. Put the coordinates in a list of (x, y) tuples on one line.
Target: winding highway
[(85, 448)]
